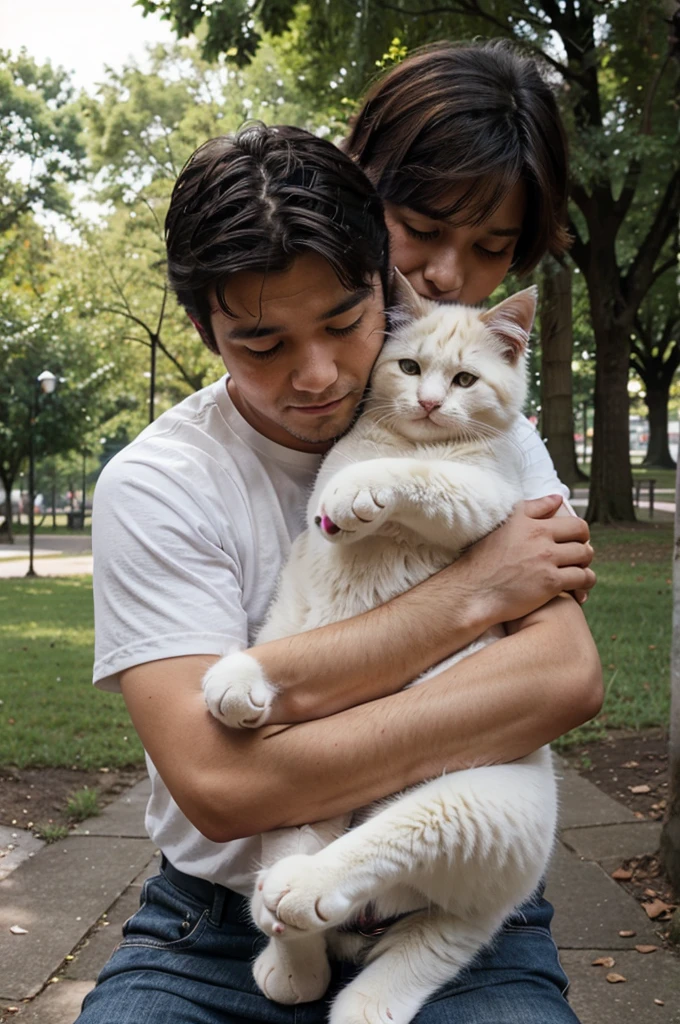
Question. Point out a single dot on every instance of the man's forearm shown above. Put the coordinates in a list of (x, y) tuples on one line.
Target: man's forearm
[(336, 667), (493, 707)]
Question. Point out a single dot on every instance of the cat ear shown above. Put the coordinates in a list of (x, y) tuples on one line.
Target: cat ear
[(405, 297), (512, 320)]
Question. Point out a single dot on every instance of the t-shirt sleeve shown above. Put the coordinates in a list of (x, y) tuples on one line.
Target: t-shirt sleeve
[(167, 579), (537, 471)]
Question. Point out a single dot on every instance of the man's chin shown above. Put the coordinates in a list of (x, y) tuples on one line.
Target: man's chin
[(323, 432)]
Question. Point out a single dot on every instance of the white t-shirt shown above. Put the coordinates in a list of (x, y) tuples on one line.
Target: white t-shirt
[(192, 523)]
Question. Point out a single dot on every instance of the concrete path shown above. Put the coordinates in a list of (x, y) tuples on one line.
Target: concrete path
[(73, 896), (60, 555)]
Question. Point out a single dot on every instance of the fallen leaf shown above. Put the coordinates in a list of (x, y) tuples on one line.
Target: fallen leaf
[(655, 909), (614, 978), (652, 647), (627, 933), (638, 814), (646, 949), (631, 764), (640, 789), (15, 1009), (622, 875), (16, 929), (659, 1002), (604, 961), (651, 892)]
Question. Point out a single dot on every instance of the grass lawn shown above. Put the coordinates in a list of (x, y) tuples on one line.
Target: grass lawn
[(50, 713), (629, 613)]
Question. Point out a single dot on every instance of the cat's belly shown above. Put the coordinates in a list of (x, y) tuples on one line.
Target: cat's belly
[(358, 579)]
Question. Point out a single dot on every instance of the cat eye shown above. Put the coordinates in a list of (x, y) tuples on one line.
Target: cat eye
[(465, 380), (409, 366)]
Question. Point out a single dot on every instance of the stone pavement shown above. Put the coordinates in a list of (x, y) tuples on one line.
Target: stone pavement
[(73, 896)]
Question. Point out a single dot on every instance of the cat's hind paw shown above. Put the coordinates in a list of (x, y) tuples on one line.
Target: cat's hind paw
[(291, 973), (238, 693)]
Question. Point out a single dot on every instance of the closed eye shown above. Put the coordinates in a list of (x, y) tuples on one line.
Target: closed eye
[(341, 332), (266, 354)]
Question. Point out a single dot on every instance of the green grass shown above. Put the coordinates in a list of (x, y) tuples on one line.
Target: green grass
[(51, 833), (83, 804), (629, 613), (51, 715)]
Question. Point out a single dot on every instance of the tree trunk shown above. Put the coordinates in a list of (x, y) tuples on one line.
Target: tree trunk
[(658, 453), (557, 343), (670, 835), (6, 525), (611, 481)]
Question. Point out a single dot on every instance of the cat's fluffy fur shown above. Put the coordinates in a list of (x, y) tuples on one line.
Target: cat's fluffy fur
[(427, 469)]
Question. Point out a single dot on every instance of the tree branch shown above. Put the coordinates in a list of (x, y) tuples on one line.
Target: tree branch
[(640, 276)]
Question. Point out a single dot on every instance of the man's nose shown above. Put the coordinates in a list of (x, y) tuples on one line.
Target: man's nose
[(316, 373)]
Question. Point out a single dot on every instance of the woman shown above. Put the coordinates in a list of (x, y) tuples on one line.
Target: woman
[(466, 147)]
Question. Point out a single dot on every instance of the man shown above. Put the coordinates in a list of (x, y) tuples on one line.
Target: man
[(278, 251)]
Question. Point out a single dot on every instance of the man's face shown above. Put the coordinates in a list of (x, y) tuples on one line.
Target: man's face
[(299, 348)]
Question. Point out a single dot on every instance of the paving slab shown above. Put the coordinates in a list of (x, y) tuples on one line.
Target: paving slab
[(57, 896), (602, 842), (80, 565), (96, 949), (58, 1004), (123, 817), (590, 908), (16, 846), (648, 977), (582, 804)]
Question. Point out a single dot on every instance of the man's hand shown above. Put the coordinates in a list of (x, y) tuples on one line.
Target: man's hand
[(531, 558)]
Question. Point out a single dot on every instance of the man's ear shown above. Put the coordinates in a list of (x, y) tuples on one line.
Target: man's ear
[(406, 298), (511, 321)]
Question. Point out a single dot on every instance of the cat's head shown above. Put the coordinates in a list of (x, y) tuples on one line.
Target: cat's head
[(449, 372)]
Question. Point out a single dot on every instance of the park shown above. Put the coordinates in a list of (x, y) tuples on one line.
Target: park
[(95, 347)]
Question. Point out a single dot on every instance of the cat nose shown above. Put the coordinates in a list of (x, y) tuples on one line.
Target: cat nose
[(429, 404)]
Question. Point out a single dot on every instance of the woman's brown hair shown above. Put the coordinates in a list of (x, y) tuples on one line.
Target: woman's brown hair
[(450, 130)]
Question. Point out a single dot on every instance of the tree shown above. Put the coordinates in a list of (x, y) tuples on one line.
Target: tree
[(42, 329), (616, 67), (655, 356), (39, 138), (670, 834), (557, 344)]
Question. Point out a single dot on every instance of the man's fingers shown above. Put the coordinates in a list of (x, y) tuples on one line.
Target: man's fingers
[(569, 528), (572, 553), (576, 578), (543, 508)]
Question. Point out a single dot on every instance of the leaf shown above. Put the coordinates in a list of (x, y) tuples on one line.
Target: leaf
[(646, 949), (614, 978), (604, 961), (627, 933), (659, 1002), (622, 875), (655, 909), (631, 764), (640, 789), (16, 929)]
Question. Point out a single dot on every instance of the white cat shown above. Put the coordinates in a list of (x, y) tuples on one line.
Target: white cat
[(428, 468)]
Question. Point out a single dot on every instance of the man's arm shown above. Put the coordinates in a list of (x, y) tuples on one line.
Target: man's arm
[(492, 707), (327, 670)]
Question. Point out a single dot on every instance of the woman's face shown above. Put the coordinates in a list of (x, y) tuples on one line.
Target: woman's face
[(456, 264)]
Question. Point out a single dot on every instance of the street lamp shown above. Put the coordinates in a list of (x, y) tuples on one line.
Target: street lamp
[(45, 382)]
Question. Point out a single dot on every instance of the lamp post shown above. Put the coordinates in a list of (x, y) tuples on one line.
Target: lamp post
[(45, 382)]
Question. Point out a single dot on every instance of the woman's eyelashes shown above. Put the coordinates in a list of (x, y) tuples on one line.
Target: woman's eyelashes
[(422, 236), (481, 250)]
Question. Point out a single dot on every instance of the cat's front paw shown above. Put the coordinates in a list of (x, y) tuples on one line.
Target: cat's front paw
[(298, 895), (237, 692), (354, 502)]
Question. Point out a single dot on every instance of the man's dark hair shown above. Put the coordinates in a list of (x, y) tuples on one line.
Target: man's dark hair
[(260, 198), (468, 122)]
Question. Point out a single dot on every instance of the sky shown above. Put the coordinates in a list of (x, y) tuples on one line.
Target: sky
[(80, 35)]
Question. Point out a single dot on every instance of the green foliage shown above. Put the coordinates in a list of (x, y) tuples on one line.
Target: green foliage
[(39, 138), (83, 804), (51, 833)]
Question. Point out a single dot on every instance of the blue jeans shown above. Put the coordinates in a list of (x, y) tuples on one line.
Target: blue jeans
[(187, 961)]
